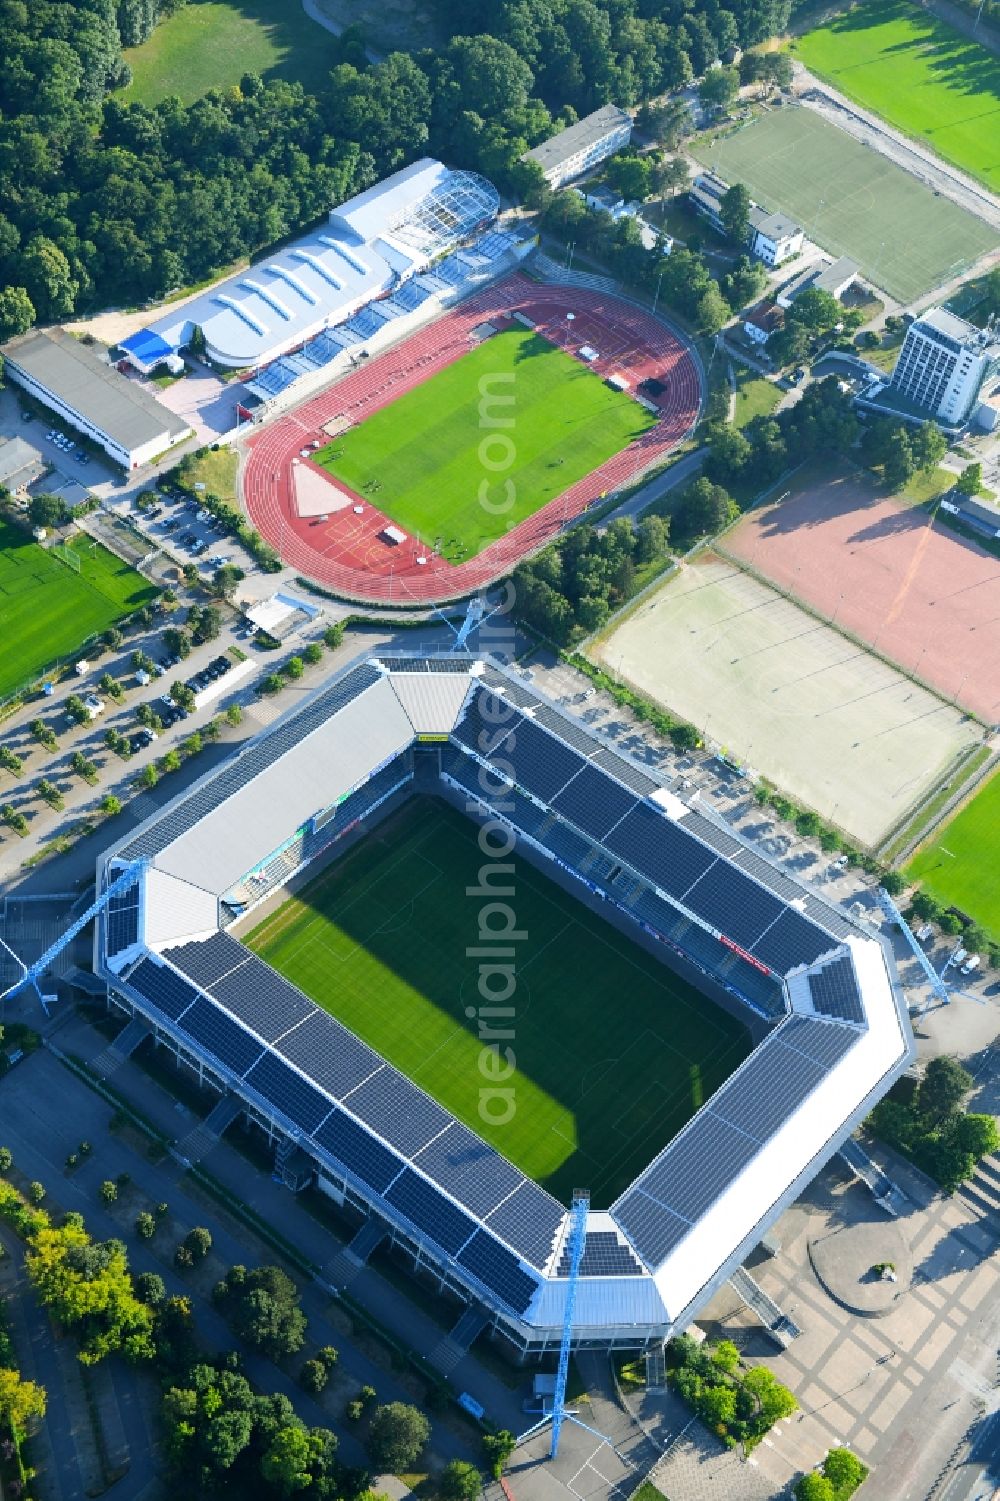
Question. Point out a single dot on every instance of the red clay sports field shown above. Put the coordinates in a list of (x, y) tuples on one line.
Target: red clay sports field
[(345, 551)]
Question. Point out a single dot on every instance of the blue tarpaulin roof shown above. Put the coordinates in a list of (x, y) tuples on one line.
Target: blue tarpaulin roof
[(147, 346)]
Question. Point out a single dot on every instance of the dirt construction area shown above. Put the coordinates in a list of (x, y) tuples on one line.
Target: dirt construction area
[(891, 575), (824, 720)]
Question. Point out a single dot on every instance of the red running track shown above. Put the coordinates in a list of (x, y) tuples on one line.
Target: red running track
[(345, 552)]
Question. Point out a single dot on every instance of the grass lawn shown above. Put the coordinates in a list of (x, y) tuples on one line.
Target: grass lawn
[(755, 397), (47, 610), (920, 75), (216, 470), (614, 1052), (959, 866), (849, 199), (424, 459), (210, 44)]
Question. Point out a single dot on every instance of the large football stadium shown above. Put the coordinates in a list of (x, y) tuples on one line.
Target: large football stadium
[(511, 963)]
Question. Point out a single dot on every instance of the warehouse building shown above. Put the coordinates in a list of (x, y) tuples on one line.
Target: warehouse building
[(75, 381)]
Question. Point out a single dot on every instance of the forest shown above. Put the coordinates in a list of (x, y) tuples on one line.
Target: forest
[(104, 202)]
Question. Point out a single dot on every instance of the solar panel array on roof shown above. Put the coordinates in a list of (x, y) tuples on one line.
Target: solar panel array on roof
[(217, 1034), (824, 1041), (541, 763), (655, 846), (486, 723), (789, 941), (430, 1212), (709, 833), (472, 1171), (249, 763), (740, 908), (762, 1094), (122, 922), (698, 1165), (768, 875), (261, 998), (356, 1149), (631, 776), (528, 1220), (830, 918), (296, 1099), (571, 734), (834, 990), (594, 802), (162, 988), (496, 1268), (652, 1229), (603, 1256), (398, 1111), (331, 1055), (205, 959)]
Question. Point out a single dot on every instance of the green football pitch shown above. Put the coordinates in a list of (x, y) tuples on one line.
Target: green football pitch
[(919, 74), (48, 610), (613, 1052), (485, 442), (851, 200), (960, 866)]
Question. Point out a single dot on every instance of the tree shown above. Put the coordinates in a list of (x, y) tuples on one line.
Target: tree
[(193, 743), (705, 509), (110, 805), (171, 761), (734, 212), (744, 283), (208, 1422), (145, 1225), (150, 1289), (9, 761), (234, 714), (109, 1191), (112, 638), (87, 1287), (270, 685), (900, 465), (183, 696), (148, 777), (844, 1470), (942, 1089), (20, 1400), (651, 538), (814, 1487), (177, 642), (225, 580), (815, 310), (726, 1356), (929, 445), (199, 1242), (894, 882), (48, 511), (313, 653), (459, 1482), (48, 279), (293, 668), (285, 1464), (498, 1447), (977, 1134), (207, 624), (263, 1307), (776, 1401), (712, 311), (719, 89), (313, 1376), (17, 313), (631, 176), (970, 481), (397, 1436)]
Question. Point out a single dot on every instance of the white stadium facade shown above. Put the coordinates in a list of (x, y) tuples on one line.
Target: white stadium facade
[(370, 246), (818, 993)]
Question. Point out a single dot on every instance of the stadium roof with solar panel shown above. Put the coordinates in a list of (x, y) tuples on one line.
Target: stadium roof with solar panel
[(819, 993)]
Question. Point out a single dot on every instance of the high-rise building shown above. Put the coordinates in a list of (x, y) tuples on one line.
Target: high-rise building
[(943, 364)]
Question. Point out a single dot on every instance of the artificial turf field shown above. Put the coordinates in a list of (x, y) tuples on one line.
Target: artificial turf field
[(47, 610), (849, 199), (919, 74), (514, 409), (613, 1051), (959, 866)]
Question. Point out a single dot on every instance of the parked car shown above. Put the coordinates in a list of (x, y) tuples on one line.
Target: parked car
[(971, 964), (93, 705)]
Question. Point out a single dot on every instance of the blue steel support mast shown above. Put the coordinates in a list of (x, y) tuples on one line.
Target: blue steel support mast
[(577, 1243)]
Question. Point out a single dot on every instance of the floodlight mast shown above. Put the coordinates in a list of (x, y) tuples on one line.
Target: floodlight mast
[(34, 972), (940, 988)]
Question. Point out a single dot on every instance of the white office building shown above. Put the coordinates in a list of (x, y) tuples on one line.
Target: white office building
[(581, 146), (943, 364)]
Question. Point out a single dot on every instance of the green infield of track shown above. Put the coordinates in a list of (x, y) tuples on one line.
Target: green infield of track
[(614, 1053), (960, 865), (485, 442), (849, 199), (919, 74), (47, 610)]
